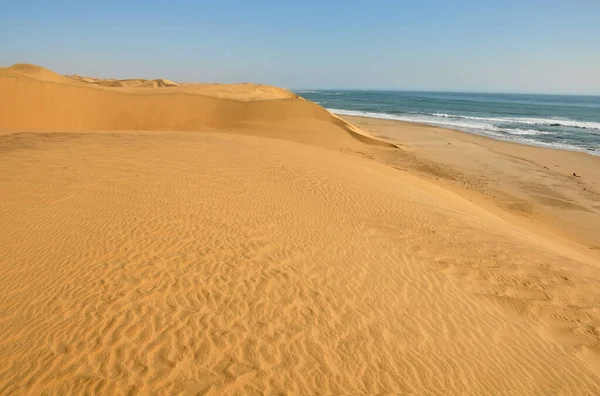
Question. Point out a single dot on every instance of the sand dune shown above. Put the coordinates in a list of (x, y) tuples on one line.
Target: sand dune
[(172, 242), (34, 100), (130, 83)]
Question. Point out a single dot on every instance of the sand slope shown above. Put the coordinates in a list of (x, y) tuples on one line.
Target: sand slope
[(230, 262)]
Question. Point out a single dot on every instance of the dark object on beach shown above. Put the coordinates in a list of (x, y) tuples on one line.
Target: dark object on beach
[(575, 174)]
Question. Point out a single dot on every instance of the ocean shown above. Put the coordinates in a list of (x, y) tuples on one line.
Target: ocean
[(557, 121)]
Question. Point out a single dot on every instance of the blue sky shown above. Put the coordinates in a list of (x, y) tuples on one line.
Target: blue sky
[(493, 46)]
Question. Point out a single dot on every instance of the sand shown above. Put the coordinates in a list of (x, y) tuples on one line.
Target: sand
[(555, 191), (245, 241)]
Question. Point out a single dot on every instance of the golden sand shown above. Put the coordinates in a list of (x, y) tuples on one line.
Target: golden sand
[(214, 239)]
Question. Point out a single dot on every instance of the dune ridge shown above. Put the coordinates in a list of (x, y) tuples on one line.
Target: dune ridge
[(230, 241)]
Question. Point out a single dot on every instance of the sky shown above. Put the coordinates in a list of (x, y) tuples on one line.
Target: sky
[(478, 46)]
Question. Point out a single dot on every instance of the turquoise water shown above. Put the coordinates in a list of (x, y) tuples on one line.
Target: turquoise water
[(565, 122)]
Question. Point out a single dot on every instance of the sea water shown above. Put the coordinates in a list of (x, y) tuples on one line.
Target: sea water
[(558, 121)]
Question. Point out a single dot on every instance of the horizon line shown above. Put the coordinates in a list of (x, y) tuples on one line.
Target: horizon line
[(445, 91)]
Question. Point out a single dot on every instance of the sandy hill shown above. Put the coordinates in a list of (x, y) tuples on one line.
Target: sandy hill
[(36, 98)]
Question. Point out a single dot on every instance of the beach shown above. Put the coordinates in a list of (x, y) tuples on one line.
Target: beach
[(555, 191), (164, 238)]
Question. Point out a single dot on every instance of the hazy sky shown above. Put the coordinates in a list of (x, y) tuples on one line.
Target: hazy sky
[(494, 46)]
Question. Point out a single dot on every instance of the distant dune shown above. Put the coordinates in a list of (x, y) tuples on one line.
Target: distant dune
[(163, 238), (131, 83)]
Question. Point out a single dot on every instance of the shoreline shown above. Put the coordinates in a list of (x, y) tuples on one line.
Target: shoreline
[(497, 138)]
